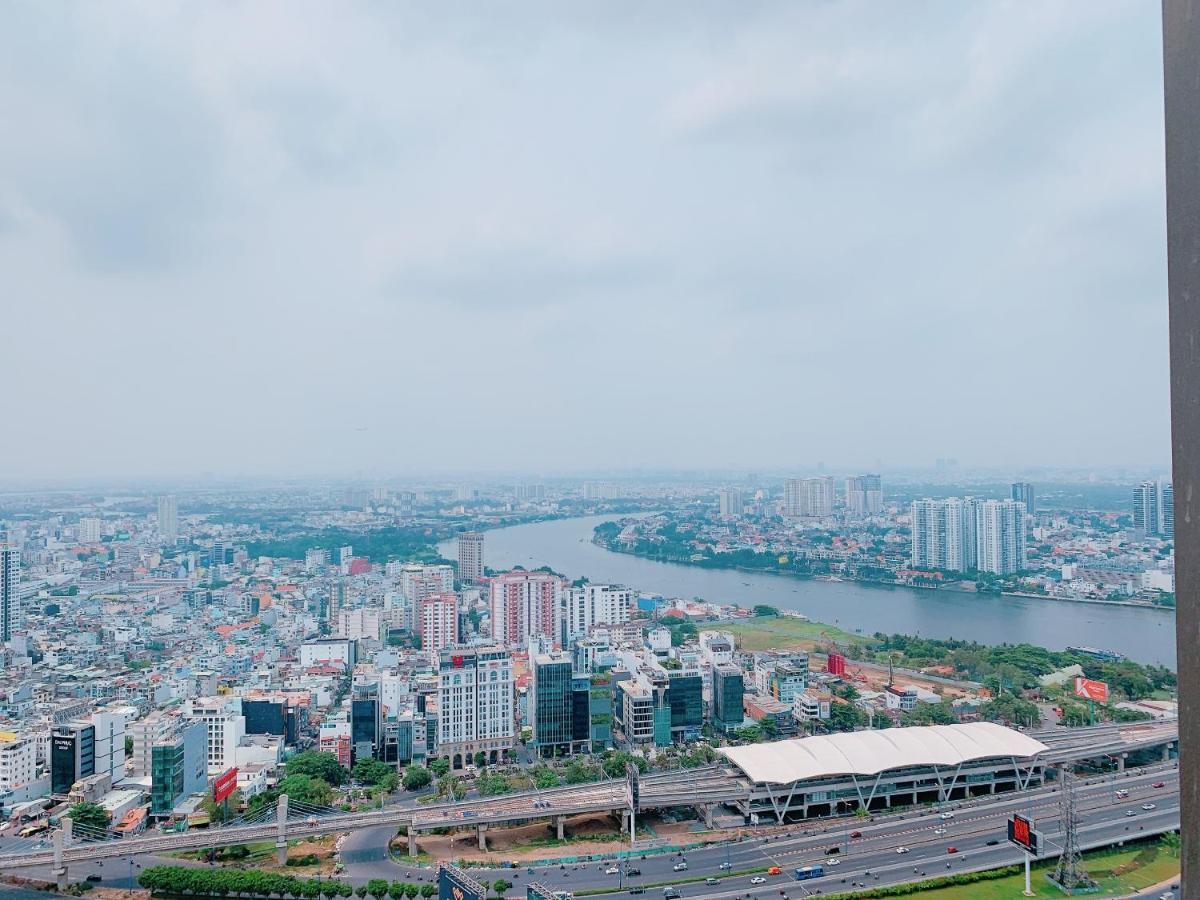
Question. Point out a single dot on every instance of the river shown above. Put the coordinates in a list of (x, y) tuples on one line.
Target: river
[(1145, 635)]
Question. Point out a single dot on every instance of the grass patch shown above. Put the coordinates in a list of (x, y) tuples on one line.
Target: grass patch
[(1119, 871), (785, 633), (691, 879)]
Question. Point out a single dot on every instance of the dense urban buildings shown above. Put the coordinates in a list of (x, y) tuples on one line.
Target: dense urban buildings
[(470, 556), (864, 495)]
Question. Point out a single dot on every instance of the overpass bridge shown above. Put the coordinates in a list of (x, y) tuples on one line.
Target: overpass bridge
[(704, 788)]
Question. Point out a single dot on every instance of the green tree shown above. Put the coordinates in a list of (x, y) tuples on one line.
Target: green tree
[(440, 766), (306, 789), (492, 784), (416, 777), (544, 777), (763, 610), (500, 886), (480, 759), (396, 890), (428, 890), (361, 891), (91, 818), (411, 890), (317, 765), (372, 771)]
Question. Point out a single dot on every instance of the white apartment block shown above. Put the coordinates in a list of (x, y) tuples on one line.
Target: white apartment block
[(18, 762), (145, 733), (943, 534), (808, 497), (582, 608), (110, 725), (437, 623), (1000, 532), (226, 728), (470, 556), (418, 582), (89, 530), (475, 704), (364, 623)]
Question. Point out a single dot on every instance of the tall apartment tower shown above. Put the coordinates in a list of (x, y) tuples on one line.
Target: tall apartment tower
[(864, 495), (1154, 508), (1022, 492), (10, 600), (944, 534), (1166, 510), (470, 556), (437, 623), (1000, 531), (524, 605), (730, 502), (808, 497), (168, 518)]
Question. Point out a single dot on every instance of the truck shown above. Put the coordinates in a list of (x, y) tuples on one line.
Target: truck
[(806, 872)]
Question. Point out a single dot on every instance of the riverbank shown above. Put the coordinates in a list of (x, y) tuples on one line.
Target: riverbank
[(868, 582), (566, 546)]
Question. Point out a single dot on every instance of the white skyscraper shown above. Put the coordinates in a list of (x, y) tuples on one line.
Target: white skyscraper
[(10, 599), (808, 497), (1000, 534), (470, 556), (437, 623), (864, 495), (1154, 508), (475, 704), (89, 530), (168, 518), (582, 608), (730, 502), (943, 534)]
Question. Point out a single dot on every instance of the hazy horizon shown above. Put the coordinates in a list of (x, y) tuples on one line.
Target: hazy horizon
[(268, 241)]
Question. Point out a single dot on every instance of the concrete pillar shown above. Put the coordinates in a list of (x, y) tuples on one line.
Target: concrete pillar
[(281, 814), (1121, 761), (60, 867), (992, 788), (1167, 752), (708, 811), (624, 821), (560, 823), (67, 824), (483, 837), (412, 840)]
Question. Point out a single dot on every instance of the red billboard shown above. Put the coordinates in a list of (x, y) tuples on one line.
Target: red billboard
[(1091, 690), (224, 785), (1021, 833)]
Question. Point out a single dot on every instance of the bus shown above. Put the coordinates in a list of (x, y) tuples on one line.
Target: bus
[(806, 872), (30, 830)]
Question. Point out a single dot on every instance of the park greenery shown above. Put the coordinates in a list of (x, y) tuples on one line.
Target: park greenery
[(416, 777), (201, 882), (318, 765), (89, 817)]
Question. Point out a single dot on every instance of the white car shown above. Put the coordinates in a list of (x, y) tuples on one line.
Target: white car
[(1147, 806), (612, 871), (680, 867), (758, 879), (901, 849), (833, 861), (946, 815), (723, 866), (939, 831)]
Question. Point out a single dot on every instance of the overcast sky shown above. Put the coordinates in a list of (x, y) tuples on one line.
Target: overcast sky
[(333, 238)]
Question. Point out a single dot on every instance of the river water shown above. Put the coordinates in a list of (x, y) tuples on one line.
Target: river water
[(1145, 635)]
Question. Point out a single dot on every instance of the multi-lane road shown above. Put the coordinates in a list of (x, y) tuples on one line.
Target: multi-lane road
[(976, 830)]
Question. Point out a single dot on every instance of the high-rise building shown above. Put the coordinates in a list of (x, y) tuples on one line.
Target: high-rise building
[(470, 556), (10, 598), (168, 518), (864, 495), (943, 534), (1154, 508), (685, 693), (727, 692), (72, 755), (1022, 491), (178, 766), (525, 605), (366, 721), (729, 501), (808, 497), (1166, 510), (18, 758), (583, 608), (89, 530), (1000, 533), (559, 706), (110, 725), (475, 704), (226, 728), (437, 623)]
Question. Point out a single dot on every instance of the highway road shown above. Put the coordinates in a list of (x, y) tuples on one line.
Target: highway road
[(1104, 819)]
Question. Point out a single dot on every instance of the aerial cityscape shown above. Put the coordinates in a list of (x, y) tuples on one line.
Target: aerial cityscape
[(556, 450)]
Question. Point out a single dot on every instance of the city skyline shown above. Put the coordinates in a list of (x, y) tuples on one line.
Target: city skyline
[(321, 251)]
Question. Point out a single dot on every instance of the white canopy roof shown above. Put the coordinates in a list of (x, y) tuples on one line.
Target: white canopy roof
[(872, 752)]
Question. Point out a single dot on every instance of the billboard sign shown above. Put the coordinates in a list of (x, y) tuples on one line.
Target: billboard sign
[(1021, 833), (224, 785), (1091, 690), (455, 884)]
